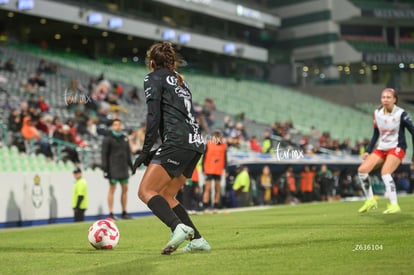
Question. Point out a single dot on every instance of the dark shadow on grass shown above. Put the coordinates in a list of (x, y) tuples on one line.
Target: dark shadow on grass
[(135, 266), (391, 218), (57, 250), (289, 244), (140, 263), (25, 250)]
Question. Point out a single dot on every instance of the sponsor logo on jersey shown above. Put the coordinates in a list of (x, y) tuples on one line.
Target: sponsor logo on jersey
[(195, 138), (181, 92), (173, 162), (147, 92), (407, 118), (387, 131)]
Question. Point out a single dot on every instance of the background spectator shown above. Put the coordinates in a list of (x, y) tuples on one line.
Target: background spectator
[(241, 187), (265, 186)]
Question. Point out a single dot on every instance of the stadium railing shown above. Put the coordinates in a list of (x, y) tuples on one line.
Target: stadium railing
[(4, 133), (367, 43), (376, 4), (58, 149), (407, 44)]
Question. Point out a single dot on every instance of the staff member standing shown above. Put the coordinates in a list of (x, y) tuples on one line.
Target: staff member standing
[(79, 196), (241, 187), (214, 164), (116, 160)]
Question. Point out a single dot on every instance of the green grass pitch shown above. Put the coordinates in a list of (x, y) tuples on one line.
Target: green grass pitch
[(316, 238)]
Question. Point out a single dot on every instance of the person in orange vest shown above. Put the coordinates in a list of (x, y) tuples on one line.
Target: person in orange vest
[(214, 164), (290, 186), (306, 183)]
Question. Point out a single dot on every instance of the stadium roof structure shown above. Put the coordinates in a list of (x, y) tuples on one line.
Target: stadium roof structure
[(95, 17)]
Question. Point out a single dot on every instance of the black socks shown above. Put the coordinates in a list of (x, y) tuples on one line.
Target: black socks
[(159, 206), (180, 211), (171, 217)]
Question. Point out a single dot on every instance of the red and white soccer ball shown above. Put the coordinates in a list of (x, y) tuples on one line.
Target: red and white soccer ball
[(103, 234)]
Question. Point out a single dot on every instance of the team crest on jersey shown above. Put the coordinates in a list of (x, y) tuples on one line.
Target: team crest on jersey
[(172, 80)]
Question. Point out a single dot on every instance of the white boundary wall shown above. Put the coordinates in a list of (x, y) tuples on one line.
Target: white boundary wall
[(28, 197)]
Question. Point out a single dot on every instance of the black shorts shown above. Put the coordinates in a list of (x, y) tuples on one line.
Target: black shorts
[(213, 177), (176, 161)]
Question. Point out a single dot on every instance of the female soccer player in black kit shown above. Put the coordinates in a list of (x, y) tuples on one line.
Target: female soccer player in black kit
[(170, 113)]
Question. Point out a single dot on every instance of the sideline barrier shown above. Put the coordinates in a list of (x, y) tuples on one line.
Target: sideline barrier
[(295, 157), (36, 198), (30, 198)]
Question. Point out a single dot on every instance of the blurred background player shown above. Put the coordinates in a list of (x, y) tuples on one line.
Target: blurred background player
[(214, 164), (390, 122), (116, 161), (325, 181)]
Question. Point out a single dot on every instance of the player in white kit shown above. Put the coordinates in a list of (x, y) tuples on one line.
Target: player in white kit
[(390, 122)]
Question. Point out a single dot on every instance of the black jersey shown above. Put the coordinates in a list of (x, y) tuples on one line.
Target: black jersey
[(170, 113)]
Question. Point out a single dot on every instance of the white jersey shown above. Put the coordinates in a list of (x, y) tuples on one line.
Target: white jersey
[(389, 129)]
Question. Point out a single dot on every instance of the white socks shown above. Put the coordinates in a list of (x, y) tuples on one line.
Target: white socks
[(390, 189), (366, 185)]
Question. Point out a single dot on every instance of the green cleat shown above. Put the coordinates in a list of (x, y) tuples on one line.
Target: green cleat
[(197, 245), (368, 205), (392, 209), (181, 233)]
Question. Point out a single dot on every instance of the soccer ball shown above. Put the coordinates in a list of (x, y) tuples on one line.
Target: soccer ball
[(103, 234)]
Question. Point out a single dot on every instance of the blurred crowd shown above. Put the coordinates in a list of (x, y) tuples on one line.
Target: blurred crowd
[(294, 185), (92, 106), (80, 116), (279, 133)]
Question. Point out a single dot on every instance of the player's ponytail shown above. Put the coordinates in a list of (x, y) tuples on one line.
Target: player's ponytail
[(180, 79)]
